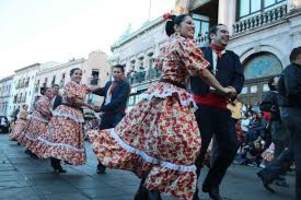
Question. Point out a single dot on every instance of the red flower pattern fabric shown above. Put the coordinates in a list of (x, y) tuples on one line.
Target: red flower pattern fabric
[(159, 137), (64, 139), (19, 125), (37, 123)]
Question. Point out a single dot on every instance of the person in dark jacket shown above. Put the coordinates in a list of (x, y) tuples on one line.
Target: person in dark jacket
[(116, 94), (57, 99), (289, 87), (213, 117), (278, 130)]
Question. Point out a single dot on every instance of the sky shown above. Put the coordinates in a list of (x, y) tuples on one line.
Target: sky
[(34, 31)]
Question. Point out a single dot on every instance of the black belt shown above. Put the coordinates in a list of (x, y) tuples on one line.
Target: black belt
[(175, 83)]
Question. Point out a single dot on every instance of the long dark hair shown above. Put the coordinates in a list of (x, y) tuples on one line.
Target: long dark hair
[(172, 21)]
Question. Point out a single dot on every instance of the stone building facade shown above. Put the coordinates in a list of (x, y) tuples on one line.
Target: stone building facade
[(5, 95), (96, 72), (22, 90), (263, 32), (24, 86)]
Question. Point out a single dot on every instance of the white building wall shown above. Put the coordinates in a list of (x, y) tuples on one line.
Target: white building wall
[(5, 95), (97, 61), (278, 39), (28, 73), (140, 45), (59, 71)]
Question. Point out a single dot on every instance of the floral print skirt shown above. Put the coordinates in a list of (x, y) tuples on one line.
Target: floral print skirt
[(17, 128), (64, 139), (158, 140), (35, 127)]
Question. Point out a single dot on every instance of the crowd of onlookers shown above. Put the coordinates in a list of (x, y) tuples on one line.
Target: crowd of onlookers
[(254, 137)]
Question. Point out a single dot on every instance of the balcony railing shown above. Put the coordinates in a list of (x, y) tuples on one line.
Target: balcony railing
[(260, 20), (202, 40), (144, 76)]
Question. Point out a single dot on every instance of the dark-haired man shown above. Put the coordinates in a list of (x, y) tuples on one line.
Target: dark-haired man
[(289, 87), (212, 115), (116, 94), (57, 99)]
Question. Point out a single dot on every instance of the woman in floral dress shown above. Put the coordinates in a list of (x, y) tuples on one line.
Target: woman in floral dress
[(64, 139), (37, 123), (20, 123), (159, 138)]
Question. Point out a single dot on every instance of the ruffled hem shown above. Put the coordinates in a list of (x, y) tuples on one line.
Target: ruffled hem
[(17, 129), (69, 113), (66, 152), (26, 140), (176, 180), (163, 90)]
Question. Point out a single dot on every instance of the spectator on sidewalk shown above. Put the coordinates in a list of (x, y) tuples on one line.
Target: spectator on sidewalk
[(289, 88)]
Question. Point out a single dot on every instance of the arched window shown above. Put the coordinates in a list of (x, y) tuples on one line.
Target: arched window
[(262, 65)]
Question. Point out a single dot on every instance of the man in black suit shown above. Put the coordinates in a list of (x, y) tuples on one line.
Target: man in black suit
[(116, 94), (57, 99), (213, 117), (55, 102)]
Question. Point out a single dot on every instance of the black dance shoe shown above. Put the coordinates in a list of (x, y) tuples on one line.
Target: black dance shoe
[(59, 169), (213, 192), (101, 169), (196, 195), (141, 194), (266, 181)]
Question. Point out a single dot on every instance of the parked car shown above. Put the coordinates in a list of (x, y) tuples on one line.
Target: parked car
[(4, 124)]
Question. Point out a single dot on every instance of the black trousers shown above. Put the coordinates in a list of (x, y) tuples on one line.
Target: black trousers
[(145, 194), (217, 123), (280, 136), (291, 117), (109, 121)]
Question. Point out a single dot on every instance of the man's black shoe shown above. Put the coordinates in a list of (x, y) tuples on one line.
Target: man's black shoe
[(266, 183), (141, 194), (27, 151), (196, 195), (101, 169), (154, 195), (206, 188), (213, 192), (281, 183)]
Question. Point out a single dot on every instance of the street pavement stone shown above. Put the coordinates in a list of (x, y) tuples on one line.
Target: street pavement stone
[(22, 177)]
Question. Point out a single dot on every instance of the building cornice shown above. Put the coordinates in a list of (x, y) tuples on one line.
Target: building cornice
[(7, 79), (138, 32), (27, 67), (62, 66)]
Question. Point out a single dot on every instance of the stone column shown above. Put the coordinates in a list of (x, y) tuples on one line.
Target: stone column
[(227, 13), (293, 4), (222, 12)]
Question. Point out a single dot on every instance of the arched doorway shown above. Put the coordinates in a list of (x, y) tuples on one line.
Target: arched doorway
[(258, 69)]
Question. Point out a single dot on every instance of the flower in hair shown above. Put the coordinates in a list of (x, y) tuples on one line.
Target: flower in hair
[(167, 16)]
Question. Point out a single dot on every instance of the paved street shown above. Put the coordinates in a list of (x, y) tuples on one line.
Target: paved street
[(22, 177)]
